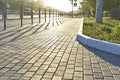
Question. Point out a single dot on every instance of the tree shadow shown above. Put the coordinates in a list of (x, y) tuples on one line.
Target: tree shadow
[(38, 28), (22, 33), (60, 21)]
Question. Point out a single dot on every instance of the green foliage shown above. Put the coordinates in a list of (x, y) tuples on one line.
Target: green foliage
[(39, 3), (109, 4), (106, 28), (88, 7), (15, 4), (108, 31), (91, 5), (117, 32), (0, 4)]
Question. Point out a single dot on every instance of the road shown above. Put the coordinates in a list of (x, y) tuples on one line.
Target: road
[(17, 16), (14, 21)]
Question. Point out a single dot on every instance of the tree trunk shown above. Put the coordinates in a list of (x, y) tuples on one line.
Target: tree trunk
[(99, 11)]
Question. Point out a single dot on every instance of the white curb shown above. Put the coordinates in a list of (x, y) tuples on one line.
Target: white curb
[(97, 44)]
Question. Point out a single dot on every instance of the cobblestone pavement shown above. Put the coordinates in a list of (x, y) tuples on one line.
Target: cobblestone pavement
[(54, 54)]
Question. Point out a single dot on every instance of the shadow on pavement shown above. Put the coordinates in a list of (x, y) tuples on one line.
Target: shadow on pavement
[(22, 31), (107, 57)]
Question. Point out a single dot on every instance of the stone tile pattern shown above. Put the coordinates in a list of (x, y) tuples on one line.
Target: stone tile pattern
[(54, 54)]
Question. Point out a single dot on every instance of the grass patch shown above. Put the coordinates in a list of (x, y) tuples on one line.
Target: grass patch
[(108, 31)]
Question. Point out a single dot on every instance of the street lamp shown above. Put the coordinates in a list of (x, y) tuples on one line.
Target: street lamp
[(74, 3), (72, 6)]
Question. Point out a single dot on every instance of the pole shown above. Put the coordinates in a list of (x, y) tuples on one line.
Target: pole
[(53, 17), (99, 11), (21, 14), (72, 8), (4, 13), (56, 15), (32, 15), (45, 14), (49, 15), (39, 15)]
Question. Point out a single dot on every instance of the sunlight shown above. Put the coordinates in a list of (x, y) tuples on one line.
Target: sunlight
[(63, 5)]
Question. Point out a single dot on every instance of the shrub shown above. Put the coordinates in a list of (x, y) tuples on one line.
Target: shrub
[(117, 32), (108, 31)]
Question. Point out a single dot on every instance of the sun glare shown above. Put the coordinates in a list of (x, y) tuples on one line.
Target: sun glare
[(63, 5)]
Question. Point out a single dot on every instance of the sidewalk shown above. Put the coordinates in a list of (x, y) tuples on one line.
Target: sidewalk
[(54, 54)]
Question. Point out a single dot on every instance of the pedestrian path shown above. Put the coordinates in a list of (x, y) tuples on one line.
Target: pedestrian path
[(14, 32), (54, 54)]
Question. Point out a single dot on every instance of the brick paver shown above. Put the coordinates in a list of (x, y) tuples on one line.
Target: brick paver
[(54, 54)]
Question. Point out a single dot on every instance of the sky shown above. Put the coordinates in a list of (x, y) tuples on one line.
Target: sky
[(63, 5)]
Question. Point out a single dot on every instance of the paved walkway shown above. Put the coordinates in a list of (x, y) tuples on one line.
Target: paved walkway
[(54, 54)]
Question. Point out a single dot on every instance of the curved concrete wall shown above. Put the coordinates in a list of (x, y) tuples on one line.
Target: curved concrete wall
[(97, 44)]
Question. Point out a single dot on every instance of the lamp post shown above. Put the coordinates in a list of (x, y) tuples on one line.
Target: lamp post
[(74, 3), (4, 13), (72, 8)]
